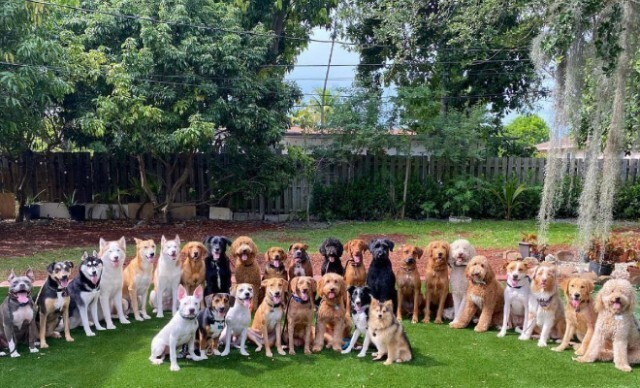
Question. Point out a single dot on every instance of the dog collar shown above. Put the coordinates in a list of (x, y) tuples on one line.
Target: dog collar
[(518, 287), (188, 318), (275, 306), (299, 300), (545, 302), (63, 290)]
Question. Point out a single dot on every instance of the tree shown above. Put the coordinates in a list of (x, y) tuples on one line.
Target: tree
[(171, 87), (524, 132), (310, 115), (31, 86)]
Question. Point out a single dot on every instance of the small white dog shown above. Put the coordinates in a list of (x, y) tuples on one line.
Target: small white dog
[(238, 318), (112, 254), (166, 278), (516, 294), (460, 253), (180, 330)]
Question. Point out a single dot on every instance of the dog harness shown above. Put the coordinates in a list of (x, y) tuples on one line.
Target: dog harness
[(299, 300)]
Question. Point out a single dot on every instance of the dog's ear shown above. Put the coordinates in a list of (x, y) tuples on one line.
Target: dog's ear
[(489, 276), (365, 246), (347, 247), (182, 292), (321, 287), (447, 248), (11, 275), (290, 248), (264, 283), (102, 243), (29, 273), (590, 286), (429, 250), (207, 300), (340, 250), (390, 244), (419, 252), (564, 286), (374, 302), (234, 287), (266, 256), (69, 263), (137, 240), (197, 293), (84, 256), (123, 243), (323, 249), (50, 267), (207, 240), (184, 254), (94, 253), (232, 300), (367, 289), (163, 240), (293, 284), (177, 239), (389, 304), (226, 240), (314, 286), (284, 285), (350, 289), (598, 306)]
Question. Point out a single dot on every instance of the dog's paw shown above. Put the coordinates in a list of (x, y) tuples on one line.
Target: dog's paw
[(292, 352), (414, 320), (624, 368), (174, 368), (362, 354), (244, 352), (90, 334), (44, 345), (224, 353), (160, 316), (523, 337), (55, 334), (33, 350), (268, 354), (15, 354), (438, 321), (146, 316), (156, 361), (579, 352), (308, 351), (557, 349), (139, 318), (389, 361), (216, 352), (110, 326), (69, 339), (282, 352), (199, 358), (426, 320), (346, 351), (542, 344), (501, 334), (125, 321), (317, 349), (2, 354)]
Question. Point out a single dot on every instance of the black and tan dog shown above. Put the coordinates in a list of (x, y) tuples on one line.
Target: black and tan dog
[(301, 265), (53, 302), (17, 315), (211, 322), (217, 265), (331, 249)]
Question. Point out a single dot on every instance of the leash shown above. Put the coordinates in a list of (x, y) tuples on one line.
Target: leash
[(286, 320)]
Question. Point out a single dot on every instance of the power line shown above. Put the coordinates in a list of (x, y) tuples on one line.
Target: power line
[(253, 33)]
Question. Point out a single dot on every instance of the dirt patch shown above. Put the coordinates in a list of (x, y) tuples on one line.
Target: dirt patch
[(397, 239)]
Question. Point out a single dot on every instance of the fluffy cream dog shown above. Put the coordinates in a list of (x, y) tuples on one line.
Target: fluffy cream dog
[(460, 252)]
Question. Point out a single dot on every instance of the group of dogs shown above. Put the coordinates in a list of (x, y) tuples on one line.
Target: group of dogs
[(290, 308)]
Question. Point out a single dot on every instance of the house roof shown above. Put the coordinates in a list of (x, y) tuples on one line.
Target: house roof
[(566, 143), (298, 131)]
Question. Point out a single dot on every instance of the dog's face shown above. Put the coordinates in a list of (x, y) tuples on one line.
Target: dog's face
[(217, 245), (331, 249), (245, 249), (299, 252), (616, 297), (146, 249), (304, 287), (193, 251), (380, 248), (438, 253), (218, 303), (59, 272), (355, 249), (189, 305), (479, 270), (460, 252), (518, 270), (544, 278), (274, 289), (276, 257), (91, 267), (331, 286), (383, 312), (243, 293), (20, 286), (113, 251), (411, 254), (360, 297), (170, 248), (577, 291)]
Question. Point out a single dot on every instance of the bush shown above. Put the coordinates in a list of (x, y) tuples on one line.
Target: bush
[(627, 202), (569, 198), (363, 199)]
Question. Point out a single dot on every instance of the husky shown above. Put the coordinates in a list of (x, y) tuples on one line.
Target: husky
[(84, 291), (112, 254)]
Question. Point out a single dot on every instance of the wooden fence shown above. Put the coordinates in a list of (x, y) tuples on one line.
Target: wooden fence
[(97, 177)]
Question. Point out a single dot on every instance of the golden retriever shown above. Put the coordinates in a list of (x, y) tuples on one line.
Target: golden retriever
[(436, 280), (300, 313), (484, 293), (409, 284), (579, 314), (268, 319), (275, 259), (193, 269), (244, 250), (331, 313), (355, 273)]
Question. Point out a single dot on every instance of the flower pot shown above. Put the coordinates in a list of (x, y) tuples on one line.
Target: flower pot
[(77, 212), (31, 212), (601, 269)]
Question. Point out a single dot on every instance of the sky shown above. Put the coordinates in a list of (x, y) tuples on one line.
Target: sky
[(317, 53)]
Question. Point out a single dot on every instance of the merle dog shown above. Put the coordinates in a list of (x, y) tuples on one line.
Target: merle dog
[(331, 249), (217, 268), (380, 277)]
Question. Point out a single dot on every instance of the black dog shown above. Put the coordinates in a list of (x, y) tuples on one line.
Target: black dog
[(380, 277), (217, 267), (331, 249)]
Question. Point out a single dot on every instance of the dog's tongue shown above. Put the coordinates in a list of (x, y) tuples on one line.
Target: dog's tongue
[(64, 283), (94, 279), (247, 303), (617, 305), (23, 296), (115, 263), (332, 259), (575, 303), (245, 257), (216, 255), (332, 295), (304, 296), (356, 259), (276, 263), (276, 299)]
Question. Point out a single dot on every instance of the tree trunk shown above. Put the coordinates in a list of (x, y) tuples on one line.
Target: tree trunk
[(326, 76), (407, 172), (144, 183), (177, 185)]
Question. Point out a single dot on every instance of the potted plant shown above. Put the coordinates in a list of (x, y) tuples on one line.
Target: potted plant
[(603, 256), (31, 209), (460, 199), (529, 247), (76, 211)]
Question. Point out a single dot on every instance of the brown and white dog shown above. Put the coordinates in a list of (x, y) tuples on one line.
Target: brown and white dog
[(301, 264), (137, 278), (300, 313), (192, 257), (244, 250), (267, 322), (53, 302), (355, 272), (579, 314), (436, 279), (211, 322), (484, 292), (616, 327), (516, 294), (275, 259), (409, 284), (545, 305), (331, 313)]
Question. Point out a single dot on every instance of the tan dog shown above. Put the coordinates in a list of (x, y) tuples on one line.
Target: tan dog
[(193, 269), (545, 305), (355, 272), (579, 314), (137, 278), (484, 293), (408, 283), (616, 326), (268, 319), (301, 264), (275, 259), (300, 313), (387, 334), (436, 279), (516, 294), (331, 313), (244, 250)]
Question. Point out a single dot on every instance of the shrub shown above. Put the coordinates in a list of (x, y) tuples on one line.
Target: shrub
[(627, 202), (362, 199)]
